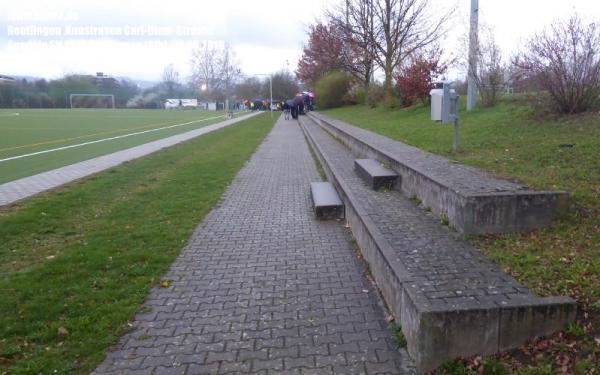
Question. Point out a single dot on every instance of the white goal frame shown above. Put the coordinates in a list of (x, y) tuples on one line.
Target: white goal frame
[(112, 99)]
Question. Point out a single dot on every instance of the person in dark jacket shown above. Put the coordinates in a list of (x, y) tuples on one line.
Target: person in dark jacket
[(299, 103), (286, 110), (293, 108)]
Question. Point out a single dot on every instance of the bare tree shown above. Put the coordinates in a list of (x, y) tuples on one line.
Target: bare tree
[(205, 67), (249, 88), (215, 67), (170, 79), (356, 19), (229, 71), (565, 61), (284, 86), (401, 28), (489, 71)]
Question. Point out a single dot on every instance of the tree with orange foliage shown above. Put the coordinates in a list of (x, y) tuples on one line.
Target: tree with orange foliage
[(414, 80), (322, 54)]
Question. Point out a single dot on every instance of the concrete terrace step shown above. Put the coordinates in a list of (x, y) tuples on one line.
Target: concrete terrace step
[(474, 202), (376, 175), (448, 297), (326, 201)]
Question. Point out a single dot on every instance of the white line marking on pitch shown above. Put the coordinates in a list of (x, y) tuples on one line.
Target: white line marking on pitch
[(6, 114), (106, 139)]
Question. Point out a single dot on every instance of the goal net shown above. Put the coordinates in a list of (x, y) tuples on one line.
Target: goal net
[(92, 101)]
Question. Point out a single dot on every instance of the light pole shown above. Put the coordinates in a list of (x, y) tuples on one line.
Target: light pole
[(271, 94), (203, 87), (473, 45)]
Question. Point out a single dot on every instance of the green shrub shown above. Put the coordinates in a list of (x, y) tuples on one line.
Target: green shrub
[(359, 95), (454, 367), (575, 329), (399, 337), (583, 366), (391, 101), (375, 96), (332, 89), (540, 104), (494, 367)]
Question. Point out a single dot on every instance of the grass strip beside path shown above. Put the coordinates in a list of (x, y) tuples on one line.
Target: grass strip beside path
[(76, 264)]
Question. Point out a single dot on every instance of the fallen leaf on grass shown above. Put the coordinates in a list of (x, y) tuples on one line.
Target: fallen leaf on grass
[(63, 332), (4, 361), (562, 360)]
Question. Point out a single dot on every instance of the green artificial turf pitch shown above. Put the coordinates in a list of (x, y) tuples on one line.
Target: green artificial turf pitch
[(35, 130)]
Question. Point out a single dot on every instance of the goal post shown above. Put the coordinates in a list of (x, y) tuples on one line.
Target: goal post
[(92, 101)]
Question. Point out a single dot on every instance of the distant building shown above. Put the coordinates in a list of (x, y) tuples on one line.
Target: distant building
[(104, 80), (208, 106), (181, 103), (6, 80)]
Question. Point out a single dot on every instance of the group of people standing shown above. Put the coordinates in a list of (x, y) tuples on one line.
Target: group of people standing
[(300, 104)]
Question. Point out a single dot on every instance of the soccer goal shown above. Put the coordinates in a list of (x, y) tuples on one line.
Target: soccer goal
[(92, 101)]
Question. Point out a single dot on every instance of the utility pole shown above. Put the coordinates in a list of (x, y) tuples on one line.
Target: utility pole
[(473, 45), (271, 92)]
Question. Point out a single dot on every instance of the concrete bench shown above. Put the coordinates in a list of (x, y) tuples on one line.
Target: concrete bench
[(375, 174), (326, 201)]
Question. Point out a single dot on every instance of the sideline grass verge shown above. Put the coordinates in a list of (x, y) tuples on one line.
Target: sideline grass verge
[(83, 258)]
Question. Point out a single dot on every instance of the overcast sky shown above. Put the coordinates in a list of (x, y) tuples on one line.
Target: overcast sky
[(138, 38)]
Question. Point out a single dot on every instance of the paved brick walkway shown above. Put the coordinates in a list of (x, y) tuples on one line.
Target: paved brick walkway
[(262, 287), (13, 191)]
